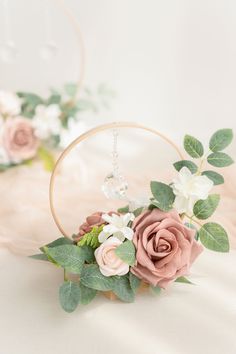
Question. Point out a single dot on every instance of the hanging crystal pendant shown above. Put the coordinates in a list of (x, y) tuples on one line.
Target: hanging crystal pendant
[(8, 51), (49, 51), (114, 186)]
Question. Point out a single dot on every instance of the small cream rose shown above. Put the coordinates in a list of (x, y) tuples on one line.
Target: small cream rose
[(109, 263), (19, 140)]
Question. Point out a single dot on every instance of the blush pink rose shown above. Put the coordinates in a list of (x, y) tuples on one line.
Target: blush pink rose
[(165, 247), (108, 262), (19, 139)]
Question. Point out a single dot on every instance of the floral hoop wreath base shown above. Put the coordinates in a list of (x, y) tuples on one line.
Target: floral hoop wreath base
[(131, 249)]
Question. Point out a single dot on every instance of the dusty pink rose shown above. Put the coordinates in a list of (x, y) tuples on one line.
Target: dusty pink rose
[(108, 262), (165, 247), (19, 139), (91, 221)]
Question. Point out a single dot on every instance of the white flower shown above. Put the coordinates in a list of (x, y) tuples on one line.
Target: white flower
[(46, 121), (188, 189), (117, 227), (10, 103)]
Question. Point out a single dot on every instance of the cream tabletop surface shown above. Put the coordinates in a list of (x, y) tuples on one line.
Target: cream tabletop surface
[(185, 319)]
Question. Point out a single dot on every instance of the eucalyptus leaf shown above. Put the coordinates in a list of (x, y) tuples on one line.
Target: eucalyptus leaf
[(126, 252), (93, 278), (40, 257), (58, 242), (183, 280), (221, 139), (219, 159), (214, 176), (88, 253), (87, 294), (69, 257), (134, 282), (71, 89), (138, 211), (214, 237), (186, 163), (203, 209), (122, 289), (193, 146), (69, 295), (123, 210), (163, 194)]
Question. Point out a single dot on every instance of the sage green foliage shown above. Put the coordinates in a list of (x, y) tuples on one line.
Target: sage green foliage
[(163, 194), (122, 288), (87, 253), (91, 238), (40, 257), (69, 295), (214, 237), (219, 159), (86, 294), (183, 280), (69, 257), (134, 282), (29, 103), (221, 139), (58, 242), (126, 252), (203, 209), (155, 289), (193, 146), (123, 210), (186, 163), (191, 226), (214, 176), (91, 277)]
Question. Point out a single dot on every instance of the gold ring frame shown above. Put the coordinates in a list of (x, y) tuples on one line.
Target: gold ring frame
[(86, 135)]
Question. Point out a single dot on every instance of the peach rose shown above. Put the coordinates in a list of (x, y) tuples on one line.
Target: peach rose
[(19, 139), (108, 261), (165, 247)]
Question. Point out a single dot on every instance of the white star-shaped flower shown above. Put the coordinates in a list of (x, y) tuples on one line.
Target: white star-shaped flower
[(189, 188), (117, 227)]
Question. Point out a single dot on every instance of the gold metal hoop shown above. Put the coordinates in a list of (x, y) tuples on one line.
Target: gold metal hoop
[(80, 42), (84, 136)]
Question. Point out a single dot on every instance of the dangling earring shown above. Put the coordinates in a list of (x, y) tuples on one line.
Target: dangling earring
[(115, 185), (8, 50), (49, 50)]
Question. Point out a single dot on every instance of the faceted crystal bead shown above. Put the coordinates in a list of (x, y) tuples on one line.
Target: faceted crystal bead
[(114, 186)]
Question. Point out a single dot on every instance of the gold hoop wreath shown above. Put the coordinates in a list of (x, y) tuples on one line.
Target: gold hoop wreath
[(83, 137)]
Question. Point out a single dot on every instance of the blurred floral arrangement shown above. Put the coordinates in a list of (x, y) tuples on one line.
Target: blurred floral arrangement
[(33, 127), (121, 252)]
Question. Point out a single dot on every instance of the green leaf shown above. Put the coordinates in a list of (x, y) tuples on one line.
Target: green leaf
[(183, 280), (60, 241), (221, 139), (219, 159), (88, 253), (203, 209), (71, 89), (138, 211), (91, 238), (193, 227), (156, 289), (55, 98), (47, 158), (186, 163), (69, 257), (29, 103), (134, 282), (163, 194), (214, 176), (69, 295), (126, 252), (87, 294), (214, 237), (122, 289), (93, 278), (193, 146), (40, 257), (123, 210)]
